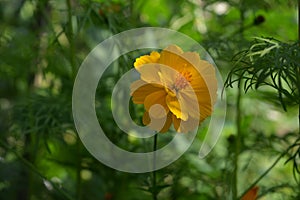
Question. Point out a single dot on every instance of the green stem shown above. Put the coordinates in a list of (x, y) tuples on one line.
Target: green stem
[(298, 68), (31, 167), (78, 170), (237, 143), (238, 115), (154, 190), (71, 38), (73, 65), (298, 20)]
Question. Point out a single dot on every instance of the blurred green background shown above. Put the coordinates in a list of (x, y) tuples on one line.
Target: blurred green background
[(42, 44)]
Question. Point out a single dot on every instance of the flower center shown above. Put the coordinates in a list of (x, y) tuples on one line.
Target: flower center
[(182, 80)]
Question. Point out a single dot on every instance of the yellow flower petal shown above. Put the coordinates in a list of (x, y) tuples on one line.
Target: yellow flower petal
[(174, 49), (158, 124), (206, 81), (158, 97), (140, 90), (176, 122), (167, 75), (152, 58), (185, 126), (170, 56), (192, 57), (205, 111), (146, 118), (176, 108), (150, 73), (190, 104), (167, 123), (204, 104)]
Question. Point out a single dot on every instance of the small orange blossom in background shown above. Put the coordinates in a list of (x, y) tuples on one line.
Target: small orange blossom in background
[(251, 194), (176, 88)]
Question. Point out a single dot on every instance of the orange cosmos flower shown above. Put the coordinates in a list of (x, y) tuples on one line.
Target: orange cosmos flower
[(174, 87), (251, 194)]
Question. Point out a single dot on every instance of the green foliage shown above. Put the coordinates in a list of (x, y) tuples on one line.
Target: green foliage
[(269, 62)]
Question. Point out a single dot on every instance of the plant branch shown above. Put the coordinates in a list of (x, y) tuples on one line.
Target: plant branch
[(71, 38), (268, 170), (263, 175), (299, 113), (30, 166)]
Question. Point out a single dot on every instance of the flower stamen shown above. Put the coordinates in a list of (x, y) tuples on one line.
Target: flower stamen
[(182, 80)]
